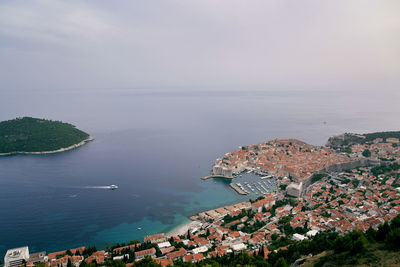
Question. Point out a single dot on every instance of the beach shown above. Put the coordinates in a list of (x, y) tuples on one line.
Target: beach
[(183, 229)]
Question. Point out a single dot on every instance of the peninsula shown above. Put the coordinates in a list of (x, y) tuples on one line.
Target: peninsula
[(292, 162), (39, 136)]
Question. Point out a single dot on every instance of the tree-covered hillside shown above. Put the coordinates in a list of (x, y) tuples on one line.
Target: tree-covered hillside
[(37, 135), (351, 138)]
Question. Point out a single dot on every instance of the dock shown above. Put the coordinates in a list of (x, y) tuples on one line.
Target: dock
[(237, 189), (215, 176)]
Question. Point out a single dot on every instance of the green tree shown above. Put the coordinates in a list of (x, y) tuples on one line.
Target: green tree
[(383, 230), (281, 262), (395, 223), (146, 262), (366, 153), (348, 149), (393, 239), (359, 242)]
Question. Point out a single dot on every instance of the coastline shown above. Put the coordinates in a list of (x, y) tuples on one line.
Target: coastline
[(83, 142), (184, 228)]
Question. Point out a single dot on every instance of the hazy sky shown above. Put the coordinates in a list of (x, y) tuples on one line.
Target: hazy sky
[(324, 45)]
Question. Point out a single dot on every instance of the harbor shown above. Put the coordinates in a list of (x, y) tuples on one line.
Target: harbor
[(249, 182)]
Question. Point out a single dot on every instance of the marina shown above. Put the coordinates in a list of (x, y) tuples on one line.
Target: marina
[(250, 183)]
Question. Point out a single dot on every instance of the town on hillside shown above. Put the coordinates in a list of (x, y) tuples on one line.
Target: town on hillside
[(343, 200)]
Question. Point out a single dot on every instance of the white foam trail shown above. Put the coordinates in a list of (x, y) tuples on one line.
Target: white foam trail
[(98, 187)]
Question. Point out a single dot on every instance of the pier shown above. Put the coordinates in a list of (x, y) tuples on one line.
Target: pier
[(215, 176), (237, 189)]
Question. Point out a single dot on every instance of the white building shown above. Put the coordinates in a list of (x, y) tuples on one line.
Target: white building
[(239, 247), (165, 244), (200, 250), (294, 189), (311, 233), (221, 170), (16, 256), (298, 237), (121, 257)]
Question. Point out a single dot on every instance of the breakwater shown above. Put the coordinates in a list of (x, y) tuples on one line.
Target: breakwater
[(237, 189), (215, 176)]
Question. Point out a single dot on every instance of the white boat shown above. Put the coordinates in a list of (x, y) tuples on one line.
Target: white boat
[(113, 187), (266, 177)]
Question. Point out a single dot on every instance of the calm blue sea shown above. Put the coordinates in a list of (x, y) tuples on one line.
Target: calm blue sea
[(154, 144)]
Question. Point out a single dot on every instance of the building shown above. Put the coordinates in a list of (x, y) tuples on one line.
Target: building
[(162, 262), (294, 189), (97, 256), (63, 261), (267, 203), (298, 237), (193, 258), (54, 255), (37, 257), (223, 171), (311, 233), (239, 247), (176, 254), (392, 140), (157, 238), (16, 256), (164, 245), (143, 253), (200, 250)]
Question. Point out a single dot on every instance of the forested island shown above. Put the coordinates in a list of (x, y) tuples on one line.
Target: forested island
[(39, 136)]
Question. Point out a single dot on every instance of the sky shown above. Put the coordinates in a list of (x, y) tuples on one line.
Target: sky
[(347, 45)]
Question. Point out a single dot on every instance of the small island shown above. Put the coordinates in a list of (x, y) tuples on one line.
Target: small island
[(39, 136)]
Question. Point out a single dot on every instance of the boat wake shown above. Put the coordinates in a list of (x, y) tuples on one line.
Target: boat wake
[(97, 187), (101, 187)]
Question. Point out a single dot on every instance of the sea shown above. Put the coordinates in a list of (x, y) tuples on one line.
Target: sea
[(155, 144)]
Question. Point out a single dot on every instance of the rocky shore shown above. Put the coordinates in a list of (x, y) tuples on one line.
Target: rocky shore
[(90, 138)]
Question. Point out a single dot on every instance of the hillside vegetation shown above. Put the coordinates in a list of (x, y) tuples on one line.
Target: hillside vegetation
[(350, 138), (37, 135)]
